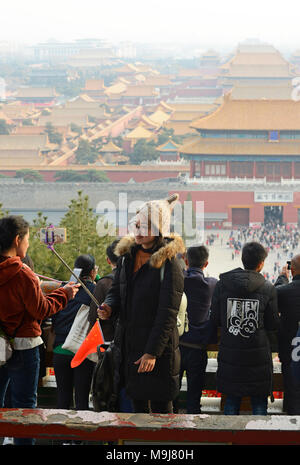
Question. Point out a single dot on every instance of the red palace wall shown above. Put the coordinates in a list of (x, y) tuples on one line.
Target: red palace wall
[(223, 202), (113, 175), (139, 176)]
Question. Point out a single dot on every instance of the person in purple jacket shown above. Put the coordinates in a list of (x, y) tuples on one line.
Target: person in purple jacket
[(199, 290)]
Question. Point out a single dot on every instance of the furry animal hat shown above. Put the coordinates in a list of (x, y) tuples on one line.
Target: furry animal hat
[(156, 215)]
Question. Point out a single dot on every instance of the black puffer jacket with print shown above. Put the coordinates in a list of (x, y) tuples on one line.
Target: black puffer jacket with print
[(244, 305)]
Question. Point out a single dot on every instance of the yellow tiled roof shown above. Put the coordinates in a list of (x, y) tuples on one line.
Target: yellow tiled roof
[(180, 128), (262, 92), (163, 147), (29, 92), (193, 107), (23, 142), (186, 115), (149, 122), (111, 148), (139, 133), (252, 115), (127, 68), (139, 91), (158, 81), (259, 59), (240, 147), (159, 117), (94, 84), (118, 88), (260, 70), (166, 106)]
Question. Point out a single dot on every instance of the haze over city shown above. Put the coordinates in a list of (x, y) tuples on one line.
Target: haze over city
[(218, 24), (105, 106)]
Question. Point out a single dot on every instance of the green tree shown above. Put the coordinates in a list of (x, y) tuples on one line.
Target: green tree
[(75, 176), (68, 176), (75, 128), (143, 151), (82, 237), (3, 212), (27, 122), (86, 153), (29, 175), (96, 176), (165, 134), (43, 259), (4, 127), (53, 136)]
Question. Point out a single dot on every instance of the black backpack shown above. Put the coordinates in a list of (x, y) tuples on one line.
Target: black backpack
[(104, 394)]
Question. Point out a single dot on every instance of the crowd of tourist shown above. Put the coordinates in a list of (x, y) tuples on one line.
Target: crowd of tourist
[(280, 241), (138, 308)]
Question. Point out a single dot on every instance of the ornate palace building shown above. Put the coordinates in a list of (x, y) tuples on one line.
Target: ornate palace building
[(247, 154)]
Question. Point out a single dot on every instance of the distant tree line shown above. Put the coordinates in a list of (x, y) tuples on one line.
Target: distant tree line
[(82, 237), (91, 175)]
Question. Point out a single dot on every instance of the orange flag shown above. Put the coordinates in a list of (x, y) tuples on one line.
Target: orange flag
[(89, 345)]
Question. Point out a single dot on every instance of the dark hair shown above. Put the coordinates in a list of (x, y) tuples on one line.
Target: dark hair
[(87, 263), (28, 261), (197, 256), (10, 227), (110, 252), (253, 254)]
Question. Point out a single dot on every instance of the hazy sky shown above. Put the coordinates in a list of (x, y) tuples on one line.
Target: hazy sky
[(207, 22)]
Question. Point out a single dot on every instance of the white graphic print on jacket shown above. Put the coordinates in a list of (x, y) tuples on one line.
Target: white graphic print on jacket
[(242, 316)]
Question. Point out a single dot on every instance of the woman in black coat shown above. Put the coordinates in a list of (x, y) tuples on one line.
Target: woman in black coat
[(147, 305)]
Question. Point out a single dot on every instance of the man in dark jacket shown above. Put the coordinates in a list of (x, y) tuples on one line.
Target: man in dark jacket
[(289, 309), (244, 305), (199, 290)]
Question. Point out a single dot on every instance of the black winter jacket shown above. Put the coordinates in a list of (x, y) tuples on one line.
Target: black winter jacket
[(289, 309), (62, 321), (147, 315), (199, 290), (101, 289), (244, 305)]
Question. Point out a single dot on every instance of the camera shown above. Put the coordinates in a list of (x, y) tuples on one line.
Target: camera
[(52, 235), (288, 264)]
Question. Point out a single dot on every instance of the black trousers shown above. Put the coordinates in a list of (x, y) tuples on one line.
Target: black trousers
[(193, 362), (144, 406), (291, 400), (70, 379)]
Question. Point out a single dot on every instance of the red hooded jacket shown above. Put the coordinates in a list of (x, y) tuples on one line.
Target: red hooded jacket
[(22, 301)]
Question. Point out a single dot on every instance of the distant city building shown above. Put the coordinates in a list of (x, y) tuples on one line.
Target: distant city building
[(54, 51), (47, 76), (256, 64), (41, 96), (125, 50)]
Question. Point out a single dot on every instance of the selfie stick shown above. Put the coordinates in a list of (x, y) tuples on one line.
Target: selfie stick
[(50, 246)]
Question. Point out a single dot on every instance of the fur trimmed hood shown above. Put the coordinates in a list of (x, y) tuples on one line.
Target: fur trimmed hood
[(173, 245)]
